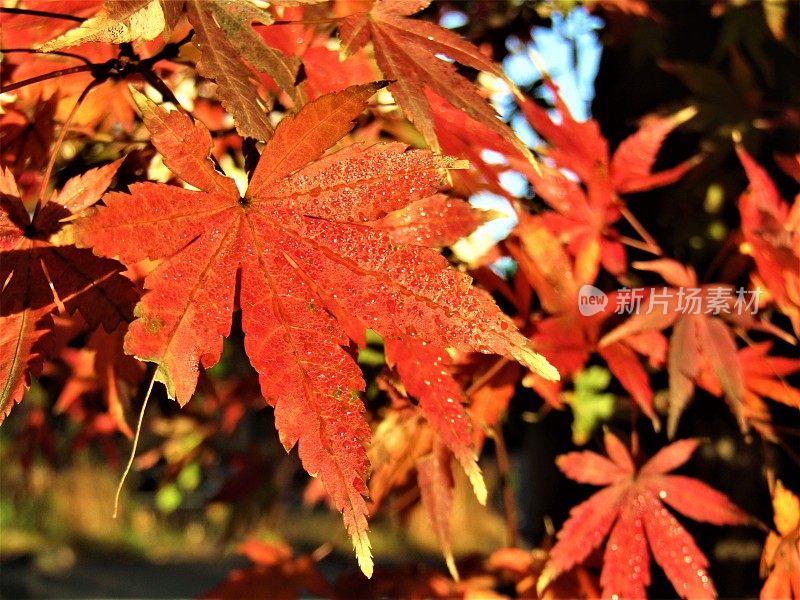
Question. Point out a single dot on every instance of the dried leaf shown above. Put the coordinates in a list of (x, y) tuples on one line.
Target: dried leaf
[(116, 23)]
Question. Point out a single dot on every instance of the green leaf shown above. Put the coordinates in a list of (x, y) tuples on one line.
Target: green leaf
[(590, 405)]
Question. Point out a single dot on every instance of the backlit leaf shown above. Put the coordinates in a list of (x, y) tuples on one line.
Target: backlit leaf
[(631, 509), (309, 275)]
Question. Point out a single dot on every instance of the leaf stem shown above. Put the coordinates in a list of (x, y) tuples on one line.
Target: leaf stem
[(57, 148), (41, 13), (134, 447), (85, 60), (44, 77), (162, 87)]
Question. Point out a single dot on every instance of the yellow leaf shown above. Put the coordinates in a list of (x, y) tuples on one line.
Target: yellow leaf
[(145, 23), (787, 509)]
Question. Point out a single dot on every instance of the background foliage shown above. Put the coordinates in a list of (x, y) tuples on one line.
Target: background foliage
[(698, 104)]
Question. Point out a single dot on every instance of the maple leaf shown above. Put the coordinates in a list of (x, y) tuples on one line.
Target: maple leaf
[(26, 141), (632, 508), (224, 35), (117, 22), (631, 166), (772, 232), (101, 367), (584, 214), (698, 337), (780, 561), (42, 276), (763, 377), (436, 486), (310, 272), (523, 568), (425, 373), (275, 573), (407, 52), (568, 337), (401, 438)]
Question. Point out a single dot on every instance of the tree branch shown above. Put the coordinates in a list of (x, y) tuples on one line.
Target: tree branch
[(52, 75), (41, 13), (54, 52)]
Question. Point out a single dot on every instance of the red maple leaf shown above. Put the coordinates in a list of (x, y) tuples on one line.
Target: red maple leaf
[(408, 52), (302, 256), (42, 274), (584, 214), (631, 507), (101, 368), (26, 141), (275, 573), (700, 335), (566, 336), (436, 487), (771, 229), (426, 374), (763, 377)]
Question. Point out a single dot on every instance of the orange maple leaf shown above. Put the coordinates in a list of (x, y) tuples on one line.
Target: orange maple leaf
[(780, 562), (407, 52), (302, 256)]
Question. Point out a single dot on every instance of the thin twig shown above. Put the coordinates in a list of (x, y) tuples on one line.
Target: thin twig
[(324, 21), (634, 222), (134, 447), (634, 431), (322, 551), (57, 148), (490, 372), (41, 13), (639, 245), (44, 77), (83, 59), (509, 507)]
